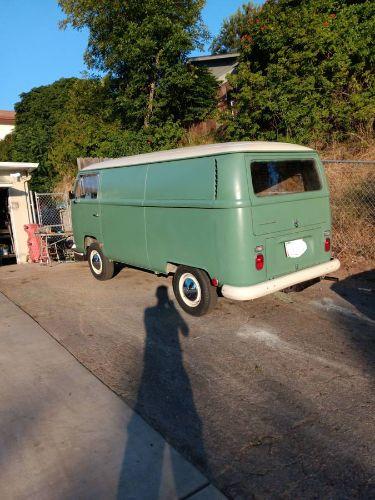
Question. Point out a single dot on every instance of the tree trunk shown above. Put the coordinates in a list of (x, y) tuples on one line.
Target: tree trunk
[(151, 94)]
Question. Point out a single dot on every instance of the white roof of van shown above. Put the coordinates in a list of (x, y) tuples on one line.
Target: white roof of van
[(199, 151)]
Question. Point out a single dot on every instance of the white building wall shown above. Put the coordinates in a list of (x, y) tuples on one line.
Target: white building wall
[(19, 211), (5, 130), (20, 215)]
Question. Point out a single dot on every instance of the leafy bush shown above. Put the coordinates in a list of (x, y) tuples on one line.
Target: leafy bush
[(74, 118), (6, 147), (143, 46), (37, 114), (305, 73)]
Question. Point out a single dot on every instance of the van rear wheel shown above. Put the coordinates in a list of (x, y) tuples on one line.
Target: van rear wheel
[(193, 290), (101, 267)]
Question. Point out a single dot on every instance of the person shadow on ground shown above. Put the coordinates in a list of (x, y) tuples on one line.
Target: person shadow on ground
[(165, 401)]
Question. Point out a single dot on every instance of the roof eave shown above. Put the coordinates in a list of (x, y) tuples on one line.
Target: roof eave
[(23, 166), (215, 57)]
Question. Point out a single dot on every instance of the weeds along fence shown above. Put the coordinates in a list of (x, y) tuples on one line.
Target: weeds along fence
[(352, 187)]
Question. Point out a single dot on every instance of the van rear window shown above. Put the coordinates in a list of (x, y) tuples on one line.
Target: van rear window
[(284, 177)]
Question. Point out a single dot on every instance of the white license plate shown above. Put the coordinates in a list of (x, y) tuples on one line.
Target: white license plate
[(295, 248)]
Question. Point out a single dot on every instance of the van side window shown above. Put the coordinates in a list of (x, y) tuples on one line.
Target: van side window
[(284, 177), (87, 187)]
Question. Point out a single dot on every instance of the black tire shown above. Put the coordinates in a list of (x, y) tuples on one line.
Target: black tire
[(101, 268), (193, 290)]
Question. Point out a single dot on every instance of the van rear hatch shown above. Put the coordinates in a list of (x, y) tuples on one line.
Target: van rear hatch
[(290, 213)]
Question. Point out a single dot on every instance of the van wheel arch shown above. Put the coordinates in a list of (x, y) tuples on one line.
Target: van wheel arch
[(88, 240), (172, 267)]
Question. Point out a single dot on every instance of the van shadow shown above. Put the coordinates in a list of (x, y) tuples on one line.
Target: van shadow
[(359, 290), (165, 400)]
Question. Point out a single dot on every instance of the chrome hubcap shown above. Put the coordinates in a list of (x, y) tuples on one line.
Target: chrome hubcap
[(190, 290), (96, 262)]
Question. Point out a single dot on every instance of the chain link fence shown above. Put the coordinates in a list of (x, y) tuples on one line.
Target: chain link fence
[(53, 209), (352, 187)]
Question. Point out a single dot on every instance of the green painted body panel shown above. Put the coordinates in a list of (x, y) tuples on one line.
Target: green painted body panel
[(288, 217), (202, 212), (123, 215), (85, 222), (279, 264)]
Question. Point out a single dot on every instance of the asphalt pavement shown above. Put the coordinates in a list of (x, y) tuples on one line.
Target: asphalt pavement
[(268, 399)]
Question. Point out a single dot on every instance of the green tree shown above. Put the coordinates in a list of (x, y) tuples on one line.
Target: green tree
[(229, 38), (37, 113), (89, 128), (6, 148), (143, 47), (306, 72)]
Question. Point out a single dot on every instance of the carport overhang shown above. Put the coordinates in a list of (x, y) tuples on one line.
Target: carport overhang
[(10, 169)]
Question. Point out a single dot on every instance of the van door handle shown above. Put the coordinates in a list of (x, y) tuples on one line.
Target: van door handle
[(95, 215)]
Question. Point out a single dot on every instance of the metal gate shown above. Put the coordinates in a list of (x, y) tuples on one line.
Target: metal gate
[(53, 209)]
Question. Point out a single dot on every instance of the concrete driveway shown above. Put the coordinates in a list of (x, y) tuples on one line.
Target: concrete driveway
[(268, 399), (65, 435)]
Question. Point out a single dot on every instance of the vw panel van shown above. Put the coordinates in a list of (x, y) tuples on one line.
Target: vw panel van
[(246, 218)]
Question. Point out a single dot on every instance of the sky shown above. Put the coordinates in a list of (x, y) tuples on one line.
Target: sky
[(33, 51)]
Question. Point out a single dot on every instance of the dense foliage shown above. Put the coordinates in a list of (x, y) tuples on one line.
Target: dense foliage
[(90, 128), (6, 148), (229, 38), (37, 114), (306, 71), (72, 118), (143, 47)]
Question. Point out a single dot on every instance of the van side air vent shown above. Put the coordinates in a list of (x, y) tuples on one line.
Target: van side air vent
[(216, 179)]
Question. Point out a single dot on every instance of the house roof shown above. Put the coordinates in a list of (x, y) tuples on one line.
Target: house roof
[(7, 117), (198, 152), (220, 65), (215, 57)]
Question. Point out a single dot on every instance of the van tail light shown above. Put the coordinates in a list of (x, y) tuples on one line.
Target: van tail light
[(259, 262), (327, 244)]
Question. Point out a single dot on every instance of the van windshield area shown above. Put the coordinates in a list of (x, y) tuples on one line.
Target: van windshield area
[(278, 177)]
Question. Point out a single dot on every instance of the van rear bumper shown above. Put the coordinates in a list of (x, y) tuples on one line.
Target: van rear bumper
[(271, 286)]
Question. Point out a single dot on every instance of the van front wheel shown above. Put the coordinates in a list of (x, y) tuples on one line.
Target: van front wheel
[(193, 290), (101, 267)]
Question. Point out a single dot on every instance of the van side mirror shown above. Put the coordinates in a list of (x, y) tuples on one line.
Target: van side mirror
[(71, 195)]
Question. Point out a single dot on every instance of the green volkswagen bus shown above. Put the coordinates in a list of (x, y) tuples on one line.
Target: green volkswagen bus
[(244, 219)]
